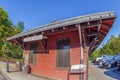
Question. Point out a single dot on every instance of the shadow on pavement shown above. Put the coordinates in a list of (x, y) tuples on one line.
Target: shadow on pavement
[(114, 73), (99, 67), (14, 71)]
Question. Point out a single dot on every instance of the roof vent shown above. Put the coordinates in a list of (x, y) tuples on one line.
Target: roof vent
[(54, 21)]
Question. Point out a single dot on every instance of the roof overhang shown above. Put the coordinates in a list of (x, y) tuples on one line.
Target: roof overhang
[(71, 21), (96, 27)]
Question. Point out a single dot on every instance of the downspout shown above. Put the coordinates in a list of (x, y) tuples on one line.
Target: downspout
[(81, 45), (81, 49)]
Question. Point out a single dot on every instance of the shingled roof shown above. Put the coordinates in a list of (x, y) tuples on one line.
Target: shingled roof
[(70, 21)]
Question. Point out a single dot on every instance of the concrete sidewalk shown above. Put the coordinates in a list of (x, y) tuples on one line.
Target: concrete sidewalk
[(96, 73), (17, 75)]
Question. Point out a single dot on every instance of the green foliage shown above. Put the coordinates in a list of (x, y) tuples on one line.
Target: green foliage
[(94, 55), (7, 29), (11, 50), (20, 26), (5, 25), (112, 47)]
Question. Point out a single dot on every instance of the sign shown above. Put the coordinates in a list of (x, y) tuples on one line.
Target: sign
[(34, 38), (26, 58), (78, 68)]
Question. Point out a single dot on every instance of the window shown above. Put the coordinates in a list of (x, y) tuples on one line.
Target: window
[(63, 53), (33, 51)]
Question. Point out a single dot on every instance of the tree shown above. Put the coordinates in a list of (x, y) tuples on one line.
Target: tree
[(112, 47), (18, 28), (11, 50), (8, 29), (5, 25)]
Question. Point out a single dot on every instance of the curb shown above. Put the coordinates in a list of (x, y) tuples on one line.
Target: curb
[(4, 74)]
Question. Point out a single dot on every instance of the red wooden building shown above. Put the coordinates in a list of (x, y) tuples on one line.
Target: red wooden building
[(50, 50)]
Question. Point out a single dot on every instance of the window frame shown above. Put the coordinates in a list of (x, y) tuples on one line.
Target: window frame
[(62, 67), (32, 55)]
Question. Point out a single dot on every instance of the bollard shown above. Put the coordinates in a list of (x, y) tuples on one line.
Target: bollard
[(7, 66)]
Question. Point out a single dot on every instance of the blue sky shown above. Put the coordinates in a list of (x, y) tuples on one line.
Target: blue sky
[(39, 12)]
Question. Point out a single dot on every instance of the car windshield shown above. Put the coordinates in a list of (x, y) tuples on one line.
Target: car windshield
[(117, 57), (111, 58)]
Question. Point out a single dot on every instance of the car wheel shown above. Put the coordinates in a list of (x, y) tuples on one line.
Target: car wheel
[(100, 63), (118, 68)]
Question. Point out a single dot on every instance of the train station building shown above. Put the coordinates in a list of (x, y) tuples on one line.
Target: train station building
[(60, 50)]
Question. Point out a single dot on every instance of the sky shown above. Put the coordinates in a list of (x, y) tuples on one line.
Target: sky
[(35, 13)]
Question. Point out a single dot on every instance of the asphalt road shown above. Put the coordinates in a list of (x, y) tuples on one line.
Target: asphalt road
[(97, 73), (2, 77)]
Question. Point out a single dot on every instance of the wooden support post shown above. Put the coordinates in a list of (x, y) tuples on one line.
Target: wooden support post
[(85, 51), (95, 40), (53, 30), (43, 47), (19, 44), (64, 28)]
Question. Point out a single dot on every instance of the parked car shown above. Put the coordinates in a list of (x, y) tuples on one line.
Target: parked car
[(111, 62), (93, 61), (118, 64), (106, 62), (100, 59)]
